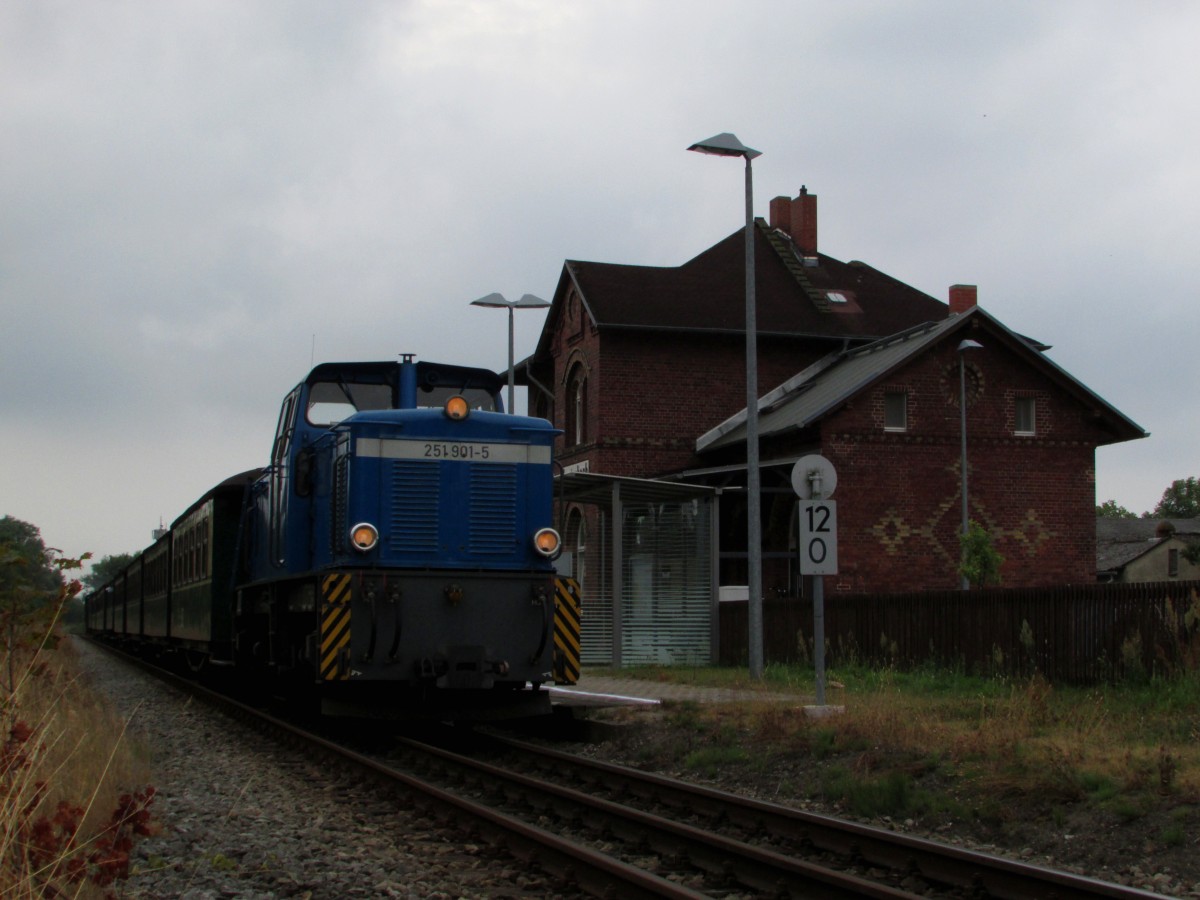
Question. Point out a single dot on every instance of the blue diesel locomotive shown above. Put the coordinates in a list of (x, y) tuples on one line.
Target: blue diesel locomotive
[(394, 558)]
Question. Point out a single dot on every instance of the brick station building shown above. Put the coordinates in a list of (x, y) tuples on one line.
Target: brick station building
[(644, 369)]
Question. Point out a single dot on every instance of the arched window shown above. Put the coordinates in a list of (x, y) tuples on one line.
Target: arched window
[(576, 424)]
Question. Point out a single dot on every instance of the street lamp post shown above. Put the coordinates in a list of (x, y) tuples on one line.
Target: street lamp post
[(726, 144), (497, 301), (962, 412)]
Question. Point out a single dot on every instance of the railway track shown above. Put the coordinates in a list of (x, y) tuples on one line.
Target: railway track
[(735, 842), (605, 830)]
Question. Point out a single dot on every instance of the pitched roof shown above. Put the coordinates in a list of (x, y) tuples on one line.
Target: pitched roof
[(707, 293), (824, 386)]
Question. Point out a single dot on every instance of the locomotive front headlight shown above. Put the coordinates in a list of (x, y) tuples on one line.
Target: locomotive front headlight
[(457, 408), (364, 536), (548, 543)]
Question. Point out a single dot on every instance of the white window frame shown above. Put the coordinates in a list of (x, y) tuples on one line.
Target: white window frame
[(889, 408), (1028, 417)]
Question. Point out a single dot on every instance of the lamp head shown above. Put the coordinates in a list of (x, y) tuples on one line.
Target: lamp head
[(724, 144), (497, 301), (493, 301)]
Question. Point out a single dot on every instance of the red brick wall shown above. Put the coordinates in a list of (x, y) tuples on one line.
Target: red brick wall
[(653, 394), (899, 494)]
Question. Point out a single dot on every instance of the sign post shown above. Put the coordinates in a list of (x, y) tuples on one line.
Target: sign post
[(813, 479)]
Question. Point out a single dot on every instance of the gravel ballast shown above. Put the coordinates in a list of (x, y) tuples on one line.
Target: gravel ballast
[(240, 816)]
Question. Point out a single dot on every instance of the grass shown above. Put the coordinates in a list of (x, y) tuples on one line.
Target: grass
[(68, 808), (912, 742)]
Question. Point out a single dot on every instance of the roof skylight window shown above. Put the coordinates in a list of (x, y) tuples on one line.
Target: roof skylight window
[(837, 297)]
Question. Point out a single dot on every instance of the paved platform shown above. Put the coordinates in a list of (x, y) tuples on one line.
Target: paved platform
[(610, 690)]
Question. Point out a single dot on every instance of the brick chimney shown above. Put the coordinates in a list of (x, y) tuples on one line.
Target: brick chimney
[(797, 217), (962, 297)]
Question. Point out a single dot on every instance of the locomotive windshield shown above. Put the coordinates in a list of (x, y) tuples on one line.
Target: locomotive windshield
[(330, 402)]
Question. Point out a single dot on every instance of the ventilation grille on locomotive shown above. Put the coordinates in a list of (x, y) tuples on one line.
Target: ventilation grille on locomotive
[(493, 508), (414, 495), (338, 522)]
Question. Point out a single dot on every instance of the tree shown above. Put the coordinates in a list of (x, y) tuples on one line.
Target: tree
[(105, 568), (1110, 509), (27, 564), (980, 560), (1180, 501), (33, 593)]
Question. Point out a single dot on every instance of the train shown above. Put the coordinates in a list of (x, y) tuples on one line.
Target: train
[(394, 558)]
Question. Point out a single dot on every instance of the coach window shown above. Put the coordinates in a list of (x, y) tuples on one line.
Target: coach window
[(895, 411), (193, 553), (204, 547), (185, 545)]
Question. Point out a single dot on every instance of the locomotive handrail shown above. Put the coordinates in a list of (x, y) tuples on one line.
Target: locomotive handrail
[(241, 556), (547, 625)]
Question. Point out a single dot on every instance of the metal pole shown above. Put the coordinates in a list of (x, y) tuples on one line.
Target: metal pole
[(819, 635), (753, 490), (962, 409), (618, 576), (511, 411), (819, 618)]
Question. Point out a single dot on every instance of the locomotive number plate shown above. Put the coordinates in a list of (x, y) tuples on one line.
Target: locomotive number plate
[(451, 451), (448, 450)]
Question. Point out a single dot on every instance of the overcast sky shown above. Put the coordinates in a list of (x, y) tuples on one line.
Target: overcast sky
[(198, 199)]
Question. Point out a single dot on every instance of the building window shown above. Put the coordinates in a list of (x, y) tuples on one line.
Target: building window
[(576, 424), (895, 411), (1026, 415), (1172, 563)]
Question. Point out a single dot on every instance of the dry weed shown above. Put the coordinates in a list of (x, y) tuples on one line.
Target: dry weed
[(67, 816)]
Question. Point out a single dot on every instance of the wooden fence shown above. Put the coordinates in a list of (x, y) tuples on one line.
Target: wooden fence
[(1077, 634)]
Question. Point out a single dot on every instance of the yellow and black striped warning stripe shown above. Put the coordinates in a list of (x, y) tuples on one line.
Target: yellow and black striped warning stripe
[(567, 610), (335, 626)]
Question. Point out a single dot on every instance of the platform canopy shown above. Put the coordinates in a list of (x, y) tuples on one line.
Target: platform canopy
[(643, 552)]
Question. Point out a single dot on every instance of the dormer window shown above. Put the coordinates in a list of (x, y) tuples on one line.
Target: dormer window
[(841, 301)]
